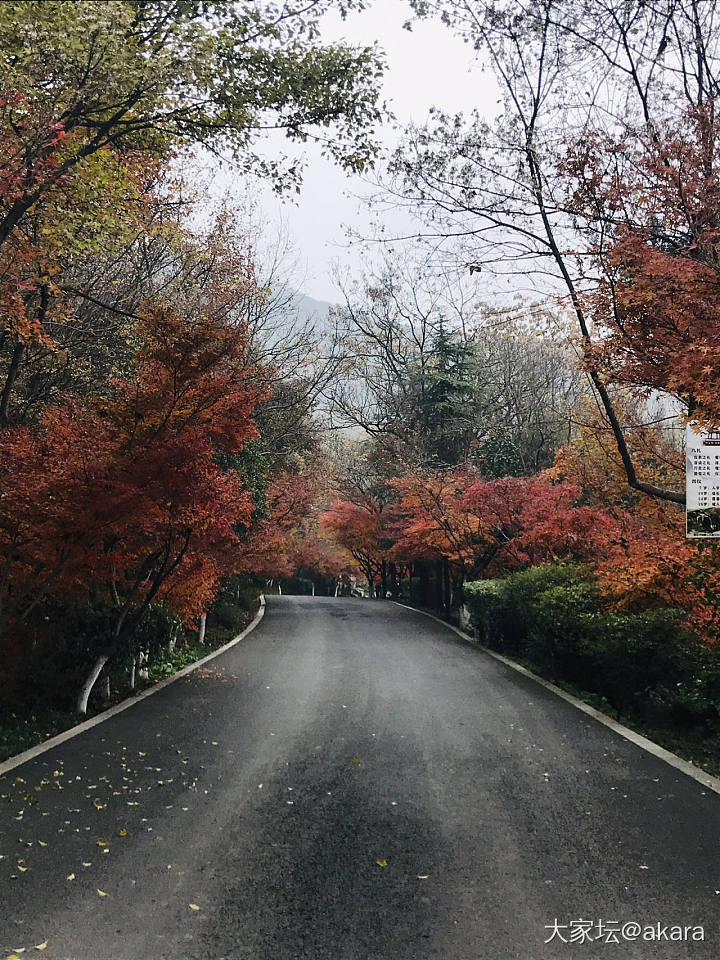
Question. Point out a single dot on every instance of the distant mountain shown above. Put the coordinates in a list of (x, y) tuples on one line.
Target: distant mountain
[(310, 309)]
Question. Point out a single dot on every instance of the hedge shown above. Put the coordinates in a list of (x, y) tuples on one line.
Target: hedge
[(646, 666)]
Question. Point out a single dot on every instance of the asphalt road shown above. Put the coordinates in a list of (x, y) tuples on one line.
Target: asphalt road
[(353, 781)]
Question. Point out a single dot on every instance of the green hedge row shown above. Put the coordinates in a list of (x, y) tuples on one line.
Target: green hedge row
[(645, 666)]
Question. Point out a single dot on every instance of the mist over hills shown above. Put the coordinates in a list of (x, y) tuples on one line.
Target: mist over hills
[(307, 308)]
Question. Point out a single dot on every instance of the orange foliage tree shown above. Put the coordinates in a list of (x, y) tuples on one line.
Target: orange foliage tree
[(129, 501), (366, 528), (485, 527), (658, 255), (651, 563)]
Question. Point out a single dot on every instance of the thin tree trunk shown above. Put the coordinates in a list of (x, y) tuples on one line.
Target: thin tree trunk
[(132, 673), (438, 587), (201, 631), (10, 379), (447, 602), (84, 695)]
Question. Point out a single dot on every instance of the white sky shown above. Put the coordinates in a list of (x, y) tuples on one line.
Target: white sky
[(426, 67)]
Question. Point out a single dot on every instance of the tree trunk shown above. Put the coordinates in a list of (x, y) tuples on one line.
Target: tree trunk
[(142, 665), (84, 695), (201, 631), (10, 379), (132, 673), (447, 603), (106, 692), (438, 587)]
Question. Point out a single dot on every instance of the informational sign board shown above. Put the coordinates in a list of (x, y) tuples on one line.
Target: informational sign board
[(702, 453)]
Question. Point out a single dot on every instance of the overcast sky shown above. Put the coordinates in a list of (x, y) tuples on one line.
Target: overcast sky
[(426, 67)]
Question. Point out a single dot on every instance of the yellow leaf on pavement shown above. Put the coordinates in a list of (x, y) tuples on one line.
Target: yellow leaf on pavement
[(41, 946), (70, 876), (193, 906), (381, 863), (101, 893)]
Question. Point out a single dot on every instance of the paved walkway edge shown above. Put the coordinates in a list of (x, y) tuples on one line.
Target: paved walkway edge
[(684, 766), (26, 755)]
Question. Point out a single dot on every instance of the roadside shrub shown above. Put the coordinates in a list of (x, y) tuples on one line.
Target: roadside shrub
[(504, 611), (561, 628), (486, 602), (232, 609), (646, 665)]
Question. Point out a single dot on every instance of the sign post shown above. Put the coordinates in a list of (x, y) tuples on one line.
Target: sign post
[(702, 476)]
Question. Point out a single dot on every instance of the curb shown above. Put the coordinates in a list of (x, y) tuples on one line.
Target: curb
[(33, 752), (649, 746)]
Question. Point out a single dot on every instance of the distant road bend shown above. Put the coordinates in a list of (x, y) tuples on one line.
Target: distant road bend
[(352, 782)]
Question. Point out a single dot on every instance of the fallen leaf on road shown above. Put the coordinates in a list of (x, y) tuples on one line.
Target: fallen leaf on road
[(101, 893), (193, 906), (123, 832), (70, 876), (381, 863), (643, 867), (423, 876), (87, 863), (41, 946), (42, 843), (102, 843), (356, 759)]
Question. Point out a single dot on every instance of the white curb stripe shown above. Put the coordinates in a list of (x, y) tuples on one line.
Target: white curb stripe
[(689, 769), (33, 752)]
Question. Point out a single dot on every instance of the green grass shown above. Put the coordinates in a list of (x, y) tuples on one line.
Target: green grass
[(19, 733)]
